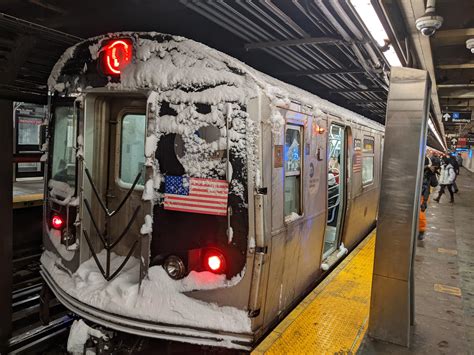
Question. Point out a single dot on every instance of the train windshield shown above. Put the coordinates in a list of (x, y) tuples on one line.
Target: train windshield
[(63, 167)]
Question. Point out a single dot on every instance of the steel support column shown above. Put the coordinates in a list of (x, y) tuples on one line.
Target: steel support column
[(392, 301), (6, 218)]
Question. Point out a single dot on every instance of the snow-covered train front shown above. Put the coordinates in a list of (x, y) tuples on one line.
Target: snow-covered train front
[(187, 193)]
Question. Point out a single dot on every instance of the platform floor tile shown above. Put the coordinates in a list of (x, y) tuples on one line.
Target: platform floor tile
[(333, 317)]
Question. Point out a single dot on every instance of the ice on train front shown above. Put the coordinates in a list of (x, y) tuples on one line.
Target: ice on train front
[(151, 152)]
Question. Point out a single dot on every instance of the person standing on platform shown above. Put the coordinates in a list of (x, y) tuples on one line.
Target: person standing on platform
[(446, 179), (455, 165), (429, 181)]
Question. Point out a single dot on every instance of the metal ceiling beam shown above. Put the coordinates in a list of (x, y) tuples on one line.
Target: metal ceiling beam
[(293, 42), (320, 72), (452, 37), (456, 66), (344, 91), (16, 58), (17, 23)]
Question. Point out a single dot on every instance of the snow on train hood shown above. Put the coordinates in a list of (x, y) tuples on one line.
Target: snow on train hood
[(158, 299), (163, 61)]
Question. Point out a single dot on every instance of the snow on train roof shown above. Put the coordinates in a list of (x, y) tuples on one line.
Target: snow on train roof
[(167, 63)]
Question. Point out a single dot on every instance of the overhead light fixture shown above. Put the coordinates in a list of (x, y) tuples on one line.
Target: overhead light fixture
[(435, 133), (470, 45), (366, 12)]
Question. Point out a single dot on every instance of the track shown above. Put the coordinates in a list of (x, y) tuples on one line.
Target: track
[(29, 333)]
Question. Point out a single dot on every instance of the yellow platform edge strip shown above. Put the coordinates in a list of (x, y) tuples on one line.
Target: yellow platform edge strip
[(27, 200), (333, 318)]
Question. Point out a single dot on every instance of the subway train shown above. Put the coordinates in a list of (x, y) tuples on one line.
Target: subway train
[(190, 197)]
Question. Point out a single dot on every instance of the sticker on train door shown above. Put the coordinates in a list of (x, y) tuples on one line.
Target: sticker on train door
[(357, 157), (313, 180), (278, 156)]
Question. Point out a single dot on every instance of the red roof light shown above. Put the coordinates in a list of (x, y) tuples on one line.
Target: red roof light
[(117, 55), (57, 222)]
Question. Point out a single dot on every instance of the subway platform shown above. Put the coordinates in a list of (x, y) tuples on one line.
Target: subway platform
[(28, 193), (333, 318)]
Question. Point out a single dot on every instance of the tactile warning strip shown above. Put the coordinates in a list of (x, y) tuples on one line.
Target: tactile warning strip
[(20, 201), (333, 317)]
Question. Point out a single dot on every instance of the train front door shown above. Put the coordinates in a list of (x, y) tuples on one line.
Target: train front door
[(336, 177), (114, 167)]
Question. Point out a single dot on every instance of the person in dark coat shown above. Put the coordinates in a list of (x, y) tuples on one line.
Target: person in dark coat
[(455, 164), (429, 181)]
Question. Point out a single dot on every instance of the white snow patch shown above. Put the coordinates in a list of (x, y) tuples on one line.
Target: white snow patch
[(159, 299), (342, 251), (292, 217), (230, 234), (147, 227), (60, 192), (251, 243), (149, 190), (79, 334), (80, 147)]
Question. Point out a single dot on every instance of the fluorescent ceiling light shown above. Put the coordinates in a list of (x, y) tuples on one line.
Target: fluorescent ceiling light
[(368, 15), (433, 129)]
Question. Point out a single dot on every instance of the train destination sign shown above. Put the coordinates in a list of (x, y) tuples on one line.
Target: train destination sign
[(457, 116)]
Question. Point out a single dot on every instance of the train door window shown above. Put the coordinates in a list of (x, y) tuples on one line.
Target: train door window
[(368, 161), (336, 179), (64, 155), (132, 149), (293, 162)]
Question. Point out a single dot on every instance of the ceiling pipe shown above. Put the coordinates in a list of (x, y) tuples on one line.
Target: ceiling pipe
[(446, 86)]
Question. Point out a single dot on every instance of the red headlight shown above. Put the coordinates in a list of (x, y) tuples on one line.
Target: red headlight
[(117, 55), (215, 262), (57, 222)]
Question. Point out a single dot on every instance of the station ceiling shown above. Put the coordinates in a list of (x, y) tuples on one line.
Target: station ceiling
[(317, 45), (453, 62), (444, 55)]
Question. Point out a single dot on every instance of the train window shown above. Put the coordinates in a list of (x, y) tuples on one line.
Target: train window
[(368, 161), (63, 167), (293, 161), (132, 148)]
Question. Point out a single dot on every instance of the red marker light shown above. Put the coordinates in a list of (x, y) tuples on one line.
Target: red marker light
[(215, 261), (117, 55), (57, 222)]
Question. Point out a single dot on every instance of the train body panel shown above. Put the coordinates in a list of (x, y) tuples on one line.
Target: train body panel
[(299, 178)]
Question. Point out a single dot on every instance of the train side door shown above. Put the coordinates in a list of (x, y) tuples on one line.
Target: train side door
[(336, 177), (113, 181)]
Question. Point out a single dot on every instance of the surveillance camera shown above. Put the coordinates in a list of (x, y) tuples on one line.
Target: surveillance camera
[(428, 24), (470, 45)]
